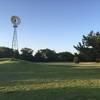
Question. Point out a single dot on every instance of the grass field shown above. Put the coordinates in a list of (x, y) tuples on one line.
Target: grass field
[(20, 80)]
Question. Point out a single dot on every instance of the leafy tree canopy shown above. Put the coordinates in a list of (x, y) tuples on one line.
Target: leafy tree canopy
[(90, 45)]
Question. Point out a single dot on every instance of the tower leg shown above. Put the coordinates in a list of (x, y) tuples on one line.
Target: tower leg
[(14, 43)]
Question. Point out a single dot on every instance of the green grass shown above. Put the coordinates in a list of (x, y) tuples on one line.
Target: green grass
[(21, 80)]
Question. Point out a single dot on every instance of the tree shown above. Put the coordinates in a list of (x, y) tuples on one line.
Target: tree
[(27, 54), (90, 46), (46, 55), (38, 56), (65, 56), (16, 54), (5, 52)]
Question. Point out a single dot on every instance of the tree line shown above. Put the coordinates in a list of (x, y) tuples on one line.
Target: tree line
[(42, 55), (88, 50)]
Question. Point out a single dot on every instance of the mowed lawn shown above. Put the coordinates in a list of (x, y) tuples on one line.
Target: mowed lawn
[(21, 80)]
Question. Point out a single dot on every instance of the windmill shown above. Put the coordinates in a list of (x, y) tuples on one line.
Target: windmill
[(15, 21)]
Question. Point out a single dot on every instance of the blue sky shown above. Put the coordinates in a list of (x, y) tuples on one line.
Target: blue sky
[(54, 24)]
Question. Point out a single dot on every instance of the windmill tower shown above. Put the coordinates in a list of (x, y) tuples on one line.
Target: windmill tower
[(15, 21)]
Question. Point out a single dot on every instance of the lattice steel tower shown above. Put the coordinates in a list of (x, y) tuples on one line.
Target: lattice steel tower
[(15, 21)]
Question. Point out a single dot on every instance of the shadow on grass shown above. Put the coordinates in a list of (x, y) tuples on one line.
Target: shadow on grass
[(54, 94)]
